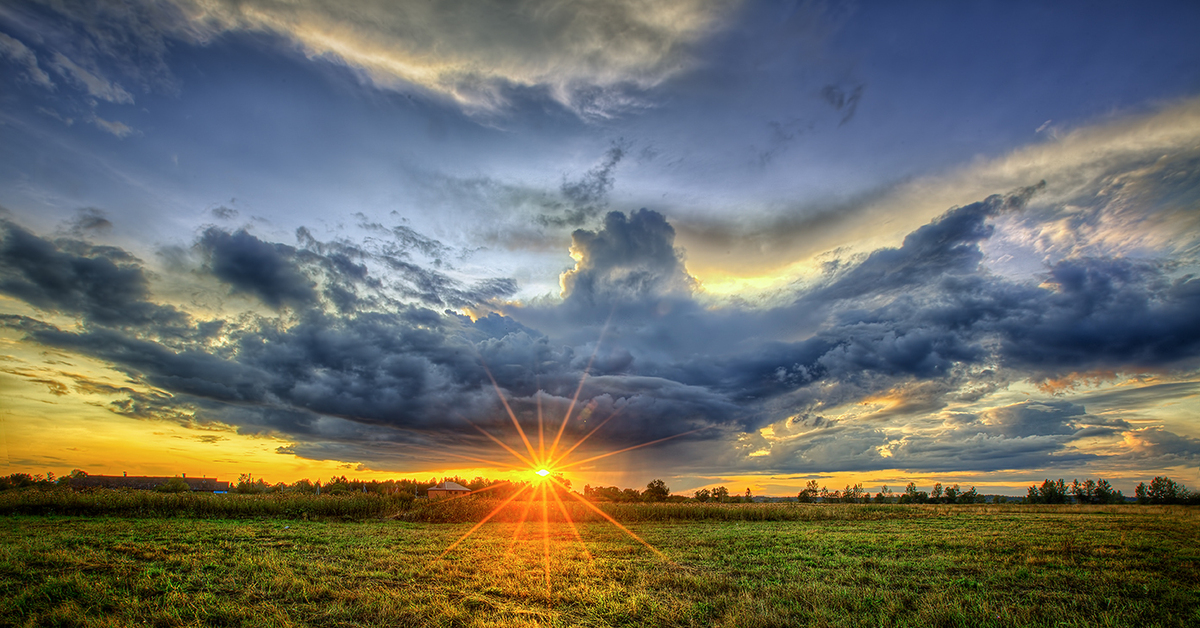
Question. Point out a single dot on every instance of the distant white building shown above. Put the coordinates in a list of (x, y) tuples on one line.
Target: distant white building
[(448, 489)]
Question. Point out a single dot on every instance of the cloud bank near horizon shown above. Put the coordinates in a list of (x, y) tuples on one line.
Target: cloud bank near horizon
[(360, 355)]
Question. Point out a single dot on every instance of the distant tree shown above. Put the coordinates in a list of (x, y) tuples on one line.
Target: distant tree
[(749, 498), (1164, 490), (970, 496), (75, 474), (248, 485), (630, 495), (1048, 493), (1106, 494), (950, 496), (884, 495), (912, 495), (853, 494), (810, 493), (703, 495), (936, 494), (1082, 492), (656, 491), (720, 494)]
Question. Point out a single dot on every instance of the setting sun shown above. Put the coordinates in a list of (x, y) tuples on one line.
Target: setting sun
[(542, 472)]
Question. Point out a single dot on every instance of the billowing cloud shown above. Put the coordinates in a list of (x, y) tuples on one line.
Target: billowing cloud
[(365, 352), (632, 258), (104, 285)]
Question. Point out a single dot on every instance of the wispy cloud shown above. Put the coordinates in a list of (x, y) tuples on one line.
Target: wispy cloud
[(22, 55), (118, 129), (93, 83), (592, 56)]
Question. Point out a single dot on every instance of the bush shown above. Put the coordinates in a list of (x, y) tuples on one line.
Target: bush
[(174, 485)]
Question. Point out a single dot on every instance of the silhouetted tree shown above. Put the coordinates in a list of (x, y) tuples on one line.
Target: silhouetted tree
[(1163, 490), (810, 493), (913, 496), (1106, 494), (248, 485), (656, 491), (1048, 493)]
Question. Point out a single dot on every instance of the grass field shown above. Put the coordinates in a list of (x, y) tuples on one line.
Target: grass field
[(900, 566)]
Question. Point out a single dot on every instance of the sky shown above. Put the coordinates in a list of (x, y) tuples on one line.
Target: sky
[(747, 244)]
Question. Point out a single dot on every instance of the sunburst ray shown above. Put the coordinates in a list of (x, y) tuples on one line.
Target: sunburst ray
[(487, 518), (618, 524), (621, 451)]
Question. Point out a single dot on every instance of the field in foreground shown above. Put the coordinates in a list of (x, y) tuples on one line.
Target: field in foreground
[(959, 566)]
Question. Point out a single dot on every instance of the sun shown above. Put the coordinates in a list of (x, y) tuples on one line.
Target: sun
[(548, 489)]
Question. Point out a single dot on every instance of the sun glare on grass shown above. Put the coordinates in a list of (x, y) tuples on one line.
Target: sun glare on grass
[(547, 490)]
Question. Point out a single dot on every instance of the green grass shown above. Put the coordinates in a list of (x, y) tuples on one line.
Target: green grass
[(847, 566)]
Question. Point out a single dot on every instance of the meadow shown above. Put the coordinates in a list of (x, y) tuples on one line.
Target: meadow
[(724, 565)]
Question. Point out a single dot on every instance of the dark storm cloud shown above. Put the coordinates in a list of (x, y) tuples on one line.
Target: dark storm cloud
[(1099, 313), (945, 247), (251, 266), (921, 325), (104, 285)]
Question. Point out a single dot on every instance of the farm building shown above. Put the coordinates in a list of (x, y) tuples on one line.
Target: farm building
[(148, 482), (448, 489)]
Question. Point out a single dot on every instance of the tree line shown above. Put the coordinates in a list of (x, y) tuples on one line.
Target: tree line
[(658, 491), (1160, 490)]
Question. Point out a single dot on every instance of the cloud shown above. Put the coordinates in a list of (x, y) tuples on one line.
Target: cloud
[(1125, 185), (116, 128), (594, 57), (89, 220), (19, 53), (252, 266), (843, 100), (105, 285), (905, 346), (632, 258), (224, 213), (1104, 313), (586, 196), (94, 84)]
